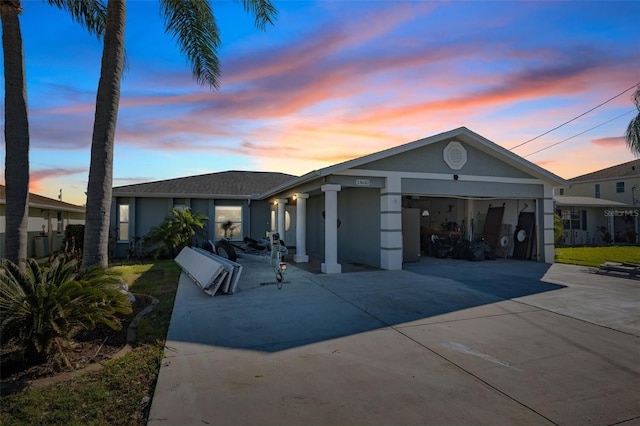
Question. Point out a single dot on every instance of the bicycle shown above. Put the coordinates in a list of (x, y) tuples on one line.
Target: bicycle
[(277, 251)]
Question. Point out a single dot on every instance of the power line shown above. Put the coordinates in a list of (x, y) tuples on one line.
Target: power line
[(581, 133), (575, 118)]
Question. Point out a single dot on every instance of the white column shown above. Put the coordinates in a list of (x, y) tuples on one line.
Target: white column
[(391, 225), (301, 229), (282, 202), (331, 265)]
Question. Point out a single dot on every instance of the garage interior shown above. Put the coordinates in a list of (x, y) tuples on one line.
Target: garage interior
[(468, 228)]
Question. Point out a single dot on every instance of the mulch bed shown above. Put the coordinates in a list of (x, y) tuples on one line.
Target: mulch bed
[(87, 347)]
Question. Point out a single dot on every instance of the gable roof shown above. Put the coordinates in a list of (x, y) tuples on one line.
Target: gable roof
[(229, 184), (462, 133), (628, 169), (36, 200)]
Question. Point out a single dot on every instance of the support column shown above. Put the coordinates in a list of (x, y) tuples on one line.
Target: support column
[(331, 265), (547, 234), (282, 202), (391, 225), (301, 229)]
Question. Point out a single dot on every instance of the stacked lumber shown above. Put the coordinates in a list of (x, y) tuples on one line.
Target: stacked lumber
[(620, 269)]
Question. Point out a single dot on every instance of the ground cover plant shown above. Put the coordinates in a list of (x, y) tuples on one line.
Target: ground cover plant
[(120, 393), (596, 256)]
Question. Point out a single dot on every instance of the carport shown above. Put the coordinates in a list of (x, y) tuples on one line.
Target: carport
[(377, 209)]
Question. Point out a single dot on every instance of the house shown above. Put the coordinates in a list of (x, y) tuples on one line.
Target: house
[(231, 200), (378, 210), (48, 219), (603, 206)]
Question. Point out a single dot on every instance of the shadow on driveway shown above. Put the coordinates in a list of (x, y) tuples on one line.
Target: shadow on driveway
[(312, 308)]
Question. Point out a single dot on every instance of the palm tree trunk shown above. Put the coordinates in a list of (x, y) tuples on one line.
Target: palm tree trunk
[(16, 133), (96, 234)]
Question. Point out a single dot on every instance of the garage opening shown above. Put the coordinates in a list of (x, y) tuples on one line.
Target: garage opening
[(468, 228)]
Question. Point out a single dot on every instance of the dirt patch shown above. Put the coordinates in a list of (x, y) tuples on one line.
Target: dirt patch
[(88, 348)]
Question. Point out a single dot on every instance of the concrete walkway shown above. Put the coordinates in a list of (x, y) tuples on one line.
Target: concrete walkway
[(442, 342)]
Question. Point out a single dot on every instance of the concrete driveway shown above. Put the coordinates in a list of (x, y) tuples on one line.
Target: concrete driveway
[(443, 342)]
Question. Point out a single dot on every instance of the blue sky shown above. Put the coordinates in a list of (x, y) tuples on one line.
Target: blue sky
[(334, 80)]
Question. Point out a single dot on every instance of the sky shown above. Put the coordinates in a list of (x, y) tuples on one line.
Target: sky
[(335, 80)]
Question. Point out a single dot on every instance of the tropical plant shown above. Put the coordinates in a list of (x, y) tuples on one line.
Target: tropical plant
[(40, 307), (176, 232), (90, 14), (193, 26), (633, 130), (558, 229)]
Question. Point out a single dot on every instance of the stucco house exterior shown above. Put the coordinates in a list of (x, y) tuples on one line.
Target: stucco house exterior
[(603, 206), (47, 221), (231, 200), (375, 210)]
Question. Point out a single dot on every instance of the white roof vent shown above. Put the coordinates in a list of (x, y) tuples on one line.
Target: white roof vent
[(455, 155)]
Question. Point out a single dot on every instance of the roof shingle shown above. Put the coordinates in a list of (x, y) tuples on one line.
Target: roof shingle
[(232, 182), (630, 168)]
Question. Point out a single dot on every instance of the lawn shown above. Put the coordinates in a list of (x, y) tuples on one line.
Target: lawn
[(119, 394), (596, 256)]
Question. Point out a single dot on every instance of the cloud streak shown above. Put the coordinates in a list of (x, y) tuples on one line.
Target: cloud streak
[(335, 81)]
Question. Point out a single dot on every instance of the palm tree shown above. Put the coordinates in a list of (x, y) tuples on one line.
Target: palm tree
[(194, 28), (90, 14), (633, 131), (177, 231)]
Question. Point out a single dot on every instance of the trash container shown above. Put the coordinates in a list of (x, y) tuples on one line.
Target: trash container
[(41, 246)]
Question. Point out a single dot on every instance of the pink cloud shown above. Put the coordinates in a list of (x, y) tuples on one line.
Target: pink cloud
[(609, 141), (41, 176)]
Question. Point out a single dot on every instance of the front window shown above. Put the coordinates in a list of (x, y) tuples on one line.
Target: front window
[(619, 187), (229, 222), (574, 219), (123, 222), (597, 190)]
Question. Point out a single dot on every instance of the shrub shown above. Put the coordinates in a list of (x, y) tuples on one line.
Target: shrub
[(558, 229), (73, 238), (176, 232), (41, 307)]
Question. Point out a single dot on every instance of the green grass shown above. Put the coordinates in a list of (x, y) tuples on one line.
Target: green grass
[(596, 256), (115, 395)]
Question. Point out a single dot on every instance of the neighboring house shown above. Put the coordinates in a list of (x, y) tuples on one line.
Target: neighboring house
[(229, 199), (48, 219), (603, 206), (375, 210)]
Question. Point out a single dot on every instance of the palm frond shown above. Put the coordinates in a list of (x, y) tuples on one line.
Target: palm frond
[(91, 14), (263, 10), (632, 135), (193, 27)]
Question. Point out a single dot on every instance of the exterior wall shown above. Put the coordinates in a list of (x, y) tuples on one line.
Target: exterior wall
[(147, 212), (259, 216), (430, 158), (359, 232), (39, 217), (608, 190), (315, 225)]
